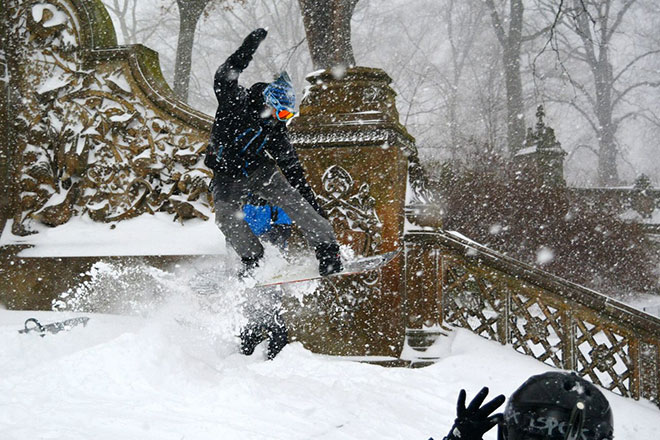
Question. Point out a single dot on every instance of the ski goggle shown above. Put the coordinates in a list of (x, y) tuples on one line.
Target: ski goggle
[(284, 114)]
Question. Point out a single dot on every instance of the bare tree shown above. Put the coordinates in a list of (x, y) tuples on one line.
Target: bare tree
[(135, 27), (189, 13), (126, 13), (328, 29), (596, 23), (445, 74), (511, 40), (462, 28)]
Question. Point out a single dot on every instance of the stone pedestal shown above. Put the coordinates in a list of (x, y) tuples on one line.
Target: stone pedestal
[(356, 155)]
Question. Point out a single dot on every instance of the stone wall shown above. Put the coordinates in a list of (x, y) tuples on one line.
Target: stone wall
[(94, 127)]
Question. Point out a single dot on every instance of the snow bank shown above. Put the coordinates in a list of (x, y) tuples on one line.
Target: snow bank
[(153, 378), (144, 235), (167, 366)]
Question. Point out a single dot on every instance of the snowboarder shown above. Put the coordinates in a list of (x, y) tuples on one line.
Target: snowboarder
[(553, 405), (263, 311), (248, 143), (265, 321)]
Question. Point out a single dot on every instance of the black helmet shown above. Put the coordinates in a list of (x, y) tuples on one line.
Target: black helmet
[(557, 405)]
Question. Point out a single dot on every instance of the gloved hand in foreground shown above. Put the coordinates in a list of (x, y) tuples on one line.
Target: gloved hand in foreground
[(474, 421)]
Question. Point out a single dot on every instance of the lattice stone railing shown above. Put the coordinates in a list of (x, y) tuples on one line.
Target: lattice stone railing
[(553, 320)]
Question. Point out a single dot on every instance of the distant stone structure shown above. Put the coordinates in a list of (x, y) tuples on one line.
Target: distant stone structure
[(541, 162), (542, 158), (639, 203)]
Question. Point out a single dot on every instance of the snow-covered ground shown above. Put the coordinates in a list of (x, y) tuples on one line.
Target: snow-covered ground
[(153, 378), (162, 362)]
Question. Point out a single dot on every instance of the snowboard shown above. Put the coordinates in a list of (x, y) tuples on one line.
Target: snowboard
[(300, 274)]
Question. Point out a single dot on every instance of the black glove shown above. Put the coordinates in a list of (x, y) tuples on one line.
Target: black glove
[(242, 57), (474, 421), (255, 37)]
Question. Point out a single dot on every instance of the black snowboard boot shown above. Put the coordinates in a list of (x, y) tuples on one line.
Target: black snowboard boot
[(250, 338), (249, 266), (278, 339), (329, 259)]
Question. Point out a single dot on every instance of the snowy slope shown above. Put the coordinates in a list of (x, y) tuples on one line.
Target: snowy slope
[(152, 378)]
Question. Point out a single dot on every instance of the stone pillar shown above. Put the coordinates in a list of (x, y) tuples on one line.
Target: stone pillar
[(542, 159), (4, 119), (356, 155)]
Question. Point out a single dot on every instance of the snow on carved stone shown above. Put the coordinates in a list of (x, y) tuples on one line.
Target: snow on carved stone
[(120, 81), (57, 198), (58, 17), (123, 117), (52, 83), (146, 154)]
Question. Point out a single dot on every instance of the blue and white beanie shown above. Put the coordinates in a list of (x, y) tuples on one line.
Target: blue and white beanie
[(280, 93)]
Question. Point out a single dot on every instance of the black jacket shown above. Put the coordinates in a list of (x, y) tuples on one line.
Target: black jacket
[(245, 136)]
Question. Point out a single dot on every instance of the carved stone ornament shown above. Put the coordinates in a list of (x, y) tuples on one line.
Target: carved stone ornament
[(352, 212), (87, 139), (536, 329), (602, 356)]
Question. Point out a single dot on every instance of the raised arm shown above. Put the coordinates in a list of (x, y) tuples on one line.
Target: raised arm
[(225, 83)]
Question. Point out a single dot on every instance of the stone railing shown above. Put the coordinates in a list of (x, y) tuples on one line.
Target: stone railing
[(551, 319)]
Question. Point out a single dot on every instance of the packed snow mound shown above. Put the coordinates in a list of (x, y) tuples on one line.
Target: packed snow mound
[(160, 377)]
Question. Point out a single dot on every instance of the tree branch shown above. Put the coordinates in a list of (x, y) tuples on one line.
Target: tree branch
[(497, 23), (632, 87), (586, 116), (633, 61), (583, 30), (585, 92), (580, 147), (619, 17), (622, 118)]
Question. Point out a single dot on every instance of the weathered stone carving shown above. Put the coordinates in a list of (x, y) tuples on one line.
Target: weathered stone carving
[(354, 215), (88, 142)]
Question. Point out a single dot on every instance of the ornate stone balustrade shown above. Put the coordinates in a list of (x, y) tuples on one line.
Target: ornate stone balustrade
[(557, 322)]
